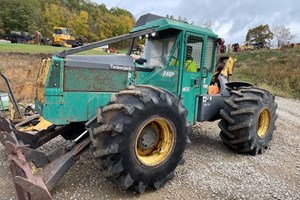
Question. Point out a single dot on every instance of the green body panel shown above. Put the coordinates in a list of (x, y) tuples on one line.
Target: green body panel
[(61, 106), (167, 78), (73, 94), (91, 79), (188, 94), (72, 106)]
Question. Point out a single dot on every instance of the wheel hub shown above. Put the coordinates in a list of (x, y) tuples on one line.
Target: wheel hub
[(155, 141), (149, 138)]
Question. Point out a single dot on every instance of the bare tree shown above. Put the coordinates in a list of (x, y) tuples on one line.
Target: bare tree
[(180, 19), (208, 23), (283, 35)]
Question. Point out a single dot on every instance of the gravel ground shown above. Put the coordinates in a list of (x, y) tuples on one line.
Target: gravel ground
[(211, 171)]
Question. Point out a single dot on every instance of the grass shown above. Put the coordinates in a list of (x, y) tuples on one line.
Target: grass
[(27, 48), (275, 70), (36, 49)]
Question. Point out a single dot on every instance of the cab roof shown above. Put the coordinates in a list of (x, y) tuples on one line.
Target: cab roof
[(162, 23)]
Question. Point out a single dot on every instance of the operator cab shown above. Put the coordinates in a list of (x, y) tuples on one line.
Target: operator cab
[(157, 49), (179, 61), (59, 31)]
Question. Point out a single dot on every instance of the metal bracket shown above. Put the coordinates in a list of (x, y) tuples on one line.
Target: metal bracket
[(11, 95), (35, 174)]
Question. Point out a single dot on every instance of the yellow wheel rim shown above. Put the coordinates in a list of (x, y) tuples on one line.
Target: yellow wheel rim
[(263, 123), (154, 142)]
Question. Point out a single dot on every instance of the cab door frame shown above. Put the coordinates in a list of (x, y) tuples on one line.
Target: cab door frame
[(191, 83)]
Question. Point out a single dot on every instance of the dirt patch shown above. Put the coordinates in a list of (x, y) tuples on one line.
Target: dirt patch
[(21, 70)]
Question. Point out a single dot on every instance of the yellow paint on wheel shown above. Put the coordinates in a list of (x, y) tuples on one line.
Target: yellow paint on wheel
[(155, 141), (263, 123)]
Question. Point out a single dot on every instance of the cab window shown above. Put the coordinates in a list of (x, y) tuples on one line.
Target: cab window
[(157, 50), (193, 52)]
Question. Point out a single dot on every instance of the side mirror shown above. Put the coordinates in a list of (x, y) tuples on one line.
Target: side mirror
[(204, 73), (141, 61)]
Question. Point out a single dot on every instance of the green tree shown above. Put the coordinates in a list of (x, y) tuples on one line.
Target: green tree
[(24, 16), (121, 12), (36, 18), (54, 16), (260, 34), (2, 31), (81, 26), (86, 18)]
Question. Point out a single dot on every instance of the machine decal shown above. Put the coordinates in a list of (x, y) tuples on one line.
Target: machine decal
[(206, 99), (120, 67), (186, 89), (168, 74)]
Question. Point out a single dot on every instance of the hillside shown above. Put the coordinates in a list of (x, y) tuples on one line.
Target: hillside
[(86, 19), (274, 70)]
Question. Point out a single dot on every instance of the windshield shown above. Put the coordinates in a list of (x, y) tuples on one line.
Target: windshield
[(60, 31), (157, 51)]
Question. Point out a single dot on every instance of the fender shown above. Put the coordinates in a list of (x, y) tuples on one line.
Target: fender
[(226, 86), (210, 105)]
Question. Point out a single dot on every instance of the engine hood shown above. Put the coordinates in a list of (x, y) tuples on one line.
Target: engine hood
[(114, 62)]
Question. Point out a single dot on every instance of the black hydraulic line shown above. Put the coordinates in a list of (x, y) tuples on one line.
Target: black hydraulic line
[(130, 46)]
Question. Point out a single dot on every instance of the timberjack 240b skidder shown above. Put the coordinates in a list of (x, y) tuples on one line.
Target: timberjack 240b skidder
[(135, 114)]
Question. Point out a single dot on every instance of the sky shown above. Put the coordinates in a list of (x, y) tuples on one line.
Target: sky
[(231, 19)]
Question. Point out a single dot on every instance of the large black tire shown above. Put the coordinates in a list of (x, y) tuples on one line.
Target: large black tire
[(248, 120), (140, 137)]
